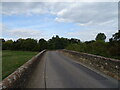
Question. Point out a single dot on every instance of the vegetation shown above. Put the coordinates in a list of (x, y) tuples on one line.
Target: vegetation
[(97, 46), (11, 60), (100, 47), (101, 37)]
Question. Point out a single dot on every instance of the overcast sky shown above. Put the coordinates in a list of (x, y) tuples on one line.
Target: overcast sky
[(82, 20)]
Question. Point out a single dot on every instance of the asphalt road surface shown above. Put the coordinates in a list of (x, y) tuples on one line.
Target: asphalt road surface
[(56, 70)]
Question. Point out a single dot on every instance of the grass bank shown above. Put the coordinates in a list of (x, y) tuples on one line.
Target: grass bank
[(11, 60)]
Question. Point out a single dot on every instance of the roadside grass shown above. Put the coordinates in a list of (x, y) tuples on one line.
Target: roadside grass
[(11, 60)]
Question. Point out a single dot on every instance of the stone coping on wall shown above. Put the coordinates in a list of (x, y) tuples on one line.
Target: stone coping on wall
[(108, 66), (96, 56), (19, 76)]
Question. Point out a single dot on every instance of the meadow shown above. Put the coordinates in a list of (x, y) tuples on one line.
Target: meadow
[(11, 60)]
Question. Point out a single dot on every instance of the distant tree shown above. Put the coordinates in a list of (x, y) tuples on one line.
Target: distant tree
[(74, 47), (7, 45), (88, 42), (100, 36), (57, 42), (115, 44), (115, 37), (1, 43), (74, 40), (3, 40), (28, 44), (98, 46), (42, 44), (18, 44)]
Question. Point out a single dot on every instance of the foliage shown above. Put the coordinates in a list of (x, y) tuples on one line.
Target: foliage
[(116, 36), (100, 47), (57, 43), (75, 47), (100, 36), (42, 45), (97, 46), (115, 44)]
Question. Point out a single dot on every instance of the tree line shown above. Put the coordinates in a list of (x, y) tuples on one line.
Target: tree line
[(97, 46), (30, 44)]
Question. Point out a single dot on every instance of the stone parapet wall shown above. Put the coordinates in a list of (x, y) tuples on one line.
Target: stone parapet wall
[(108, 66), (18, 78)]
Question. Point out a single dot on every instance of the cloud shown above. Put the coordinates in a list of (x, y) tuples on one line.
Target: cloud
[(25, 33), (95, 17), (31, 8), (94, 13), (89, 13), (23, 8), (60, 1), (21, 33)]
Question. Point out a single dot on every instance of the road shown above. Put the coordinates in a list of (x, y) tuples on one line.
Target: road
[(56, 70)]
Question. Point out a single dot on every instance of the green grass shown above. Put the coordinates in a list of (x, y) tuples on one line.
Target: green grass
[(11, 60)]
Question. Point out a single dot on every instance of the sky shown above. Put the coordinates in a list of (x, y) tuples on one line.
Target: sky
[(81, 20)]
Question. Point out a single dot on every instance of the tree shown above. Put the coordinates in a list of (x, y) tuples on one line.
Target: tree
[(101, 37), (7, 45), (57, 42), (2, 40), (74, 47), (99, 47), (18, 44), (28, 44), (1, 43), (74, 40), (115, 37), (115, 44), (42, 44)]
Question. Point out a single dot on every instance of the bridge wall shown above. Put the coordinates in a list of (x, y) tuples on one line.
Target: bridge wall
[(18, 78), (108, 66)]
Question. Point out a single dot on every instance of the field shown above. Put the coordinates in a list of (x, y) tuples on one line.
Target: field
[(11, 60)]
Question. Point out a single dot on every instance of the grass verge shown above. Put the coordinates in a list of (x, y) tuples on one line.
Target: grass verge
[(11, 60)]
